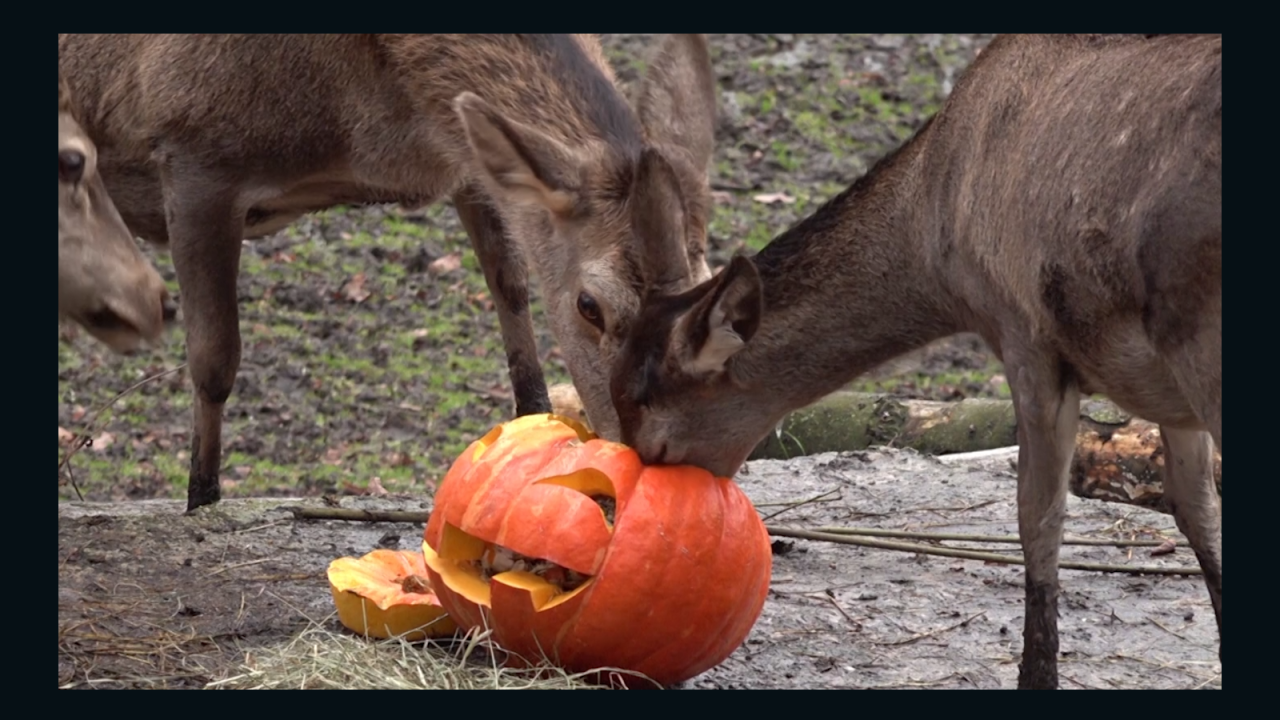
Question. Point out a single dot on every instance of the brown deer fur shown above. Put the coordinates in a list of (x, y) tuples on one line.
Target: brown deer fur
[(208, 139), (1066, 204), (105, 284)]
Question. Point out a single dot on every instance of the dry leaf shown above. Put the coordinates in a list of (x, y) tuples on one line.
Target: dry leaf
[(333, 456), (77, 413), (375, 486), (446, 264), (481, 299), (721, 196), (771, 198), (399, 459), (65, 435), (1166, 548), (103, 441), (354, 290), (498, 392)]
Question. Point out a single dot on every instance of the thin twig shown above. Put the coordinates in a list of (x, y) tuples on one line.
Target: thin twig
[(246, 563), (1077, 682), (877, 532), (1160, 625), (801, 503), (72, 477), (264, 526), (354, 515), (841, 610), (961, 508), (931, 633), (83, 439), (975, 555), (1206, 682), (911, 683), (789, 503)]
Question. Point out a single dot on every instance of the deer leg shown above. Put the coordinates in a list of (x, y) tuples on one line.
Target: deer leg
[(1189, 490), (1196, 364), (507, 276), (1047, 405), (206, 233)]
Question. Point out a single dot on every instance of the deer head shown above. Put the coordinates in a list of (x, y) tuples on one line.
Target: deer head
[(105, 284), (609, 221), (678, 396)]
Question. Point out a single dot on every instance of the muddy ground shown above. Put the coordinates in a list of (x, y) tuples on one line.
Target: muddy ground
[(149, 597), (372, 358)]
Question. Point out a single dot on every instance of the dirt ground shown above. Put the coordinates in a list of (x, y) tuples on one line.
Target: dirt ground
[(151, 598), (372, 358)]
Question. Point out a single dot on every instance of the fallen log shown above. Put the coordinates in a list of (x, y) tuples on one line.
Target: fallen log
[(1123, 463), (1118, 457)]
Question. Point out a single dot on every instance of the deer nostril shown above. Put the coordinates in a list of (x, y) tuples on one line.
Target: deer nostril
[(168, 309), (107, 319)]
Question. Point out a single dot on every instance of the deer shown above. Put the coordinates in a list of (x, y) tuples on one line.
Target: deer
[(210, 140), (105, 284), (1065, 203)]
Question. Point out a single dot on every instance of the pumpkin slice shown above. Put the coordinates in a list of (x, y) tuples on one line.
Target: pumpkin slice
[(386, 594)]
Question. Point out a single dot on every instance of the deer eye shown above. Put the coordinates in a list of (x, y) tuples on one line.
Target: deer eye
[(589, 309), (70, 166)]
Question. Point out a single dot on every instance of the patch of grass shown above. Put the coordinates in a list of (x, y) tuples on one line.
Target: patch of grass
[(768, 99), (783, 156)]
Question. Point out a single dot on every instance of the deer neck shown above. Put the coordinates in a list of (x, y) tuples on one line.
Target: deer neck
[(848, 288)]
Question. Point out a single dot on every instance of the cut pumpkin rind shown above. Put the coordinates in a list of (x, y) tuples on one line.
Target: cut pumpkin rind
[(387, 593)]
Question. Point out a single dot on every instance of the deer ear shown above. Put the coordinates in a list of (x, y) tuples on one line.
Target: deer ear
[(723, 322), (677, 98), (657, 216), (528, 166)]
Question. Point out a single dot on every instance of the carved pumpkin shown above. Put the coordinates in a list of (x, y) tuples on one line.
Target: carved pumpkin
[(569, 548), (387, 593)]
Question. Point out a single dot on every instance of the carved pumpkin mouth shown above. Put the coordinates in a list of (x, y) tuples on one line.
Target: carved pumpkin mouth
[(550, 562)]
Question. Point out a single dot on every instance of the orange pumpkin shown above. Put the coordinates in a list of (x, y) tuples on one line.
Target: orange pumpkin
[(521, 541), (387, 593)]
